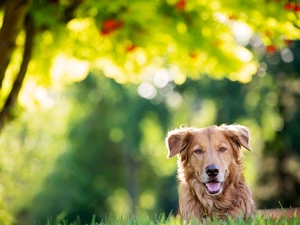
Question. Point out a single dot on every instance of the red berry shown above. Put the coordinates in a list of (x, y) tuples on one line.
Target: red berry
[(130, 48), (271, 49), (297, 8), (180, 4), (288, 42), (111, 25), (289, 6)]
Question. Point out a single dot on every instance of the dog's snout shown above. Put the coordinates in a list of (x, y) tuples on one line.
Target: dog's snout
[(212, 170)]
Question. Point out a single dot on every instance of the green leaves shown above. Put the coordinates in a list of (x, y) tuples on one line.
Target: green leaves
[(197, 37)]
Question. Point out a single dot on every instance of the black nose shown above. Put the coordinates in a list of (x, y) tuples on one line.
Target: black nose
[(212, 170)]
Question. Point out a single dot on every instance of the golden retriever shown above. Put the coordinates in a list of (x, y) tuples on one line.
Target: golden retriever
[(210, 177)]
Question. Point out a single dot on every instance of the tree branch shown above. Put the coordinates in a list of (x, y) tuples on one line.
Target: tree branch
[(69, 11), (13, 95), (2, 3), (13, 21)]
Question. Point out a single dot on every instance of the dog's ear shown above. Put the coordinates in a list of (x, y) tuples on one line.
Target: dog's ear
[(178, 140), (239, 135)]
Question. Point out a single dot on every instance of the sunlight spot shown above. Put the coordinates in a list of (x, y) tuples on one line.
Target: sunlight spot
[(20, 39), (165, 38), (161, 78), (119, 202), (242, 33), (215, 5), (47, 38), (244, 54), (292, 164), (147, 90), (68, 69), (245, 75), (111, 70), (233, 76), (206, 115), (26, 96), (174, 100), (43, 97), (93, 11), (252, 98), (287, 55), (221, 17), (272, 99), (129, 65), (296, 85), (179, 78), (140, 57), (33, 96), (77, 70), (116, 135), (181, 27), (256, 41), (147, 200), (204, 15), (262, 70), (1, 17), (206, 32), (271, 22), (165, 91), (273, 59), (79, 24), (277, 124)]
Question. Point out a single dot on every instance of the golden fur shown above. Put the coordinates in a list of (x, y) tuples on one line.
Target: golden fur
[(201, 195)]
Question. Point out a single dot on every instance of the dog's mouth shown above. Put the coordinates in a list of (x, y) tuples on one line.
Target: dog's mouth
[(213, 187)]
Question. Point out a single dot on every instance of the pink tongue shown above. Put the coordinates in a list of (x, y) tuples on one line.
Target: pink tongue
[(213, 186)]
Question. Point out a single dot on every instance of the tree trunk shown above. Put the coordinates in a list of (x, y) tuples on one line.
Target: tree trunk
[(13, 21), (13, 95)]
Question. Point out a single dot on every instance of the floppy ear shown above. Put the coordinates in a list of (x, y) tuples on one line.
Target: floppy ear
[(238, 134), (178, 140)]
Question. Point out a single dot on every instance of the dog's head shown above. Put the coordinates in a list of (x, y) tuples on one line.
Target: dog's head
[(208, 154)]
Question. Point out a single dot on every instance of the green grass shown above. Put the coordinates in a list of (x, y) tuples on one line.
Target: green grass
[(145, 219)]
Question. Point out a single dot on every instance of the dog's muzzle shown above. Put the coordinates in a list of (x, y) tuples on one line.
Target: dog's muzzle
[(213, 187)]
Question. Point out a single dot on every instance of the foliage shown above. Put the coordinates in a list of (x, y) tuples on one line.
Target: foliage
[(127, 39), (103, 159), (281, 151), (28, 150)]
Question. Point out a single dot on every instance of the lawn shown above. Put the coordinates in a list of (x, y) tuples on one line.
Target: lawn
[(145, 219)]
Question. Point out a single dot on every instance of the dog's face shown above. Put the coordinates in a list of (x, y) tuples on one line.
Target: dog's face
[(207, 153)]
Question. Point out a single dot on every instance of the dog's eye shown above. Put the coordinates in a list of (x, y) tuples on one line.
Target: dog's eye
[(222, 149), (198, 151)]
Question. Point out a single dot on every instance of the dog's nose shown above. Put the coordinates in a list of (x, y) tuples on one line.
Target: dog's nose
[(212, 170)]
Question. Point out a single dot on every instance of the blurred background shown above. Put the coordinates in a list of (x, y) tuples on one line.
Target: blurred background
[(89, 90)]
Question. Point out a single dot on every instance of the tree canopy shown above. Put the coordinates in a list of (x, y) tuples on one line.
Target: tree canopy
[(99, 83), (61, 40)]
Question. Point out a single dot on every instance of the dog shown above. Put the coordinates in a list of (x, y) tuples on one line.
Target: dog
[(211, 184)]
